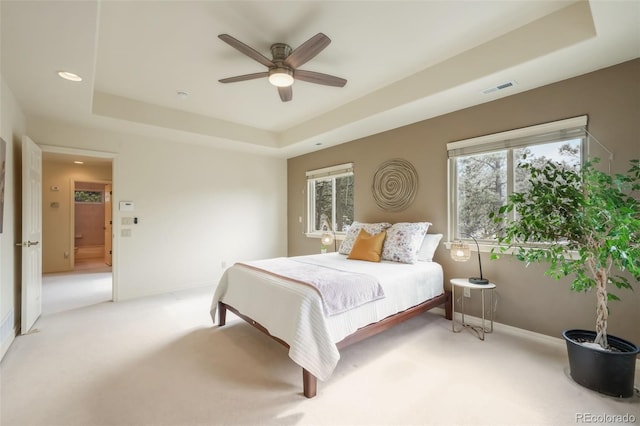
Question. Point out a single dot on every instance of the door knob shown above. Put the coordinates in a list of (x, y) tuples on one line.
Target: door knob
[(28, 244)]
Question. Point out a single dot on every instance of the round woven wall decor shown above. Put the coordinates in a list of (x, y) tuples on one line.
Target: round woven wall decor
[(395, 185)]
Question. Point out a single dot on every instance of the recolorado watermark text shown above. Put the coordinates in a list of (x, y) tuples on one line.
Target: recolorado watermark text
[(605, 418)]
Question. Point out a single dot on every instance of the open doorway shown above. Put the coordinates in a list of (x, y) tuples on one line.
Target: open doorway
[(77, 243), (92, 218)]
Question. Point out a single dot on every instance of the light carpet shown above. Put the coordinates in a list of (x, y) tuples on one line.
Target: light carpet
[(160, 361)]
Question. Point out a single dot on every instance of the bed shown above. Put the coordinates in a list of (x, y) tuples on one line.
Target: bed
[(297, 316), (316, 305)]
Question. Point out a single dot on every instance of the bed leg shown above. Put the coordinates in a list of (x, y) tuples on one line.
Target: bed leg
[(309, 384), (222, 314), (447, 306)]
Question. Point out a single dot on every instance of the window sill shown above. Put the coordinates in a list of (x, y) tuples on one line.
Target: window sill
[(484, 247), (487, 247), (338, 237)]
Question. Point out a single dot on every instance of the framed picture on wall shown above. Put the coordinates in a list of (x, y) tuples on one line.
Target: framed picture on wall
[(3, 164)]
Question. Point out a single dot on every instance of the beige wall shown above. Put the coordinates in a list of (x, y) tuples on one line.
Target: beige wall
[(57, 243), (527, 299)]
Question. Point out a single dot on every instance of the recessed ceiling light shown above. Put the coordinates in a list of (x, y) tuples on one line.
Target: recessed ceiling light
[(78, 162), (69, 76)]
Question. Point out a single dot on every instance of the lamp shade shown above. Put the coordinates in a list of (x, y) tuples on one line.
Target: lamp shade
[(460, 251), (326, 239)]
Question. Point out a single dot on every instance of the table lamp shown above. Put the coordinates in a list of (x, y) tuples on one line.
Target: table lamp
[(460, 253)]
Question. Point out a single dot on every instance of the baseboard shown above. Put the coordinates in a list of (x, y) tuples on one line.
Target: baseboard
[(506, 328), (518, 331)]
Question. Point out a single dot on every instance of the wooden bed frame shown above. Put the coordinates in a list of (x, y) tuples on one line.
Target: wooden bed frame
[(309, 381)]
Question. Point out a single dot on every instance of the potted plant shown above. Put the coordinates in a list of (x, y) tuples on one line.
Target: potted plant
[(584, 223)]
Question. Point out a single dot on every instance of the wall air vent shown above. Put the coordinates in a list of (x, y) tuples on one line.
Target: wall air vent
[(500, 86)]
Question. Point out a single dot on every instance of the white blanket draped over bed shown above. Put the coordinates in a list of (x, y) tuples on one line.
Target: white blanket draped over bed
[(339, 290), (294, 312)]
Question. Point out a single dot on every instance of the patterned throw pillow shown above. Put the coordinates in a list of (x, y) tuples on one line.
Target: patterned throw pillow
[(354, 230), (403, 241)]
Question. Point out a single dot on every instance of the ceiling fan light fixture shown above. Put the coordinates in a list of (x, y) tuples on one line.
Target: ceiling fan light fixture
[(285, 64), (281, 77)]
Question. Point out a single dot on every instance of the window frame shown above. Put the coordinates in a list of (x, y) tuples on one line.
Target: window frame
[(332, 172), (561, 130)]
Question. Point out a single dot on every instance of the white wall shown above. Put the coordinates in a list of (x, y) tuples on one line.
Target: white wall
[(197, 207), (12, 127)]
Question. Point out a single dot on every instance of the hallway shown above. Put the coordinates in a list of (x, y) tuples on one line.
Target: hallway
[(89, 284)]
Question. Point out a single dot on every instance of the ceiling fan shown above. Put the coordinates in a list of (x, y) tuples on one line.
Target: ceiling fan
[(283, 68)]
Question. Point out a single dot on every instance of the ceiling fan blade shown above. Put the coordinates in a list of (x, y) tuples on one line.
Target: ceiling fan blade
[(319, 78), (307, 50), (286, 93), (249, 51), (244, 77)]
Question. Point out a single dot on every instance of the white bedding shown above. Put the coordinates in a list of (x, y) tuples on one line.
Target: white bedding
[(294, 313)]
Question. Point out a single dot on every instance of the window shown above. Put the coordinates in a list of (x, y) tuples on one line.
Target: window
[(483, 171), (330, 198), (88, 196)]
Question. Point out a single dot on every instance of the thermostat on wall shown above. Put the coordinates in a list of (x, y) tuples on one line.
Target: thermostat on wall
[(126, 206)]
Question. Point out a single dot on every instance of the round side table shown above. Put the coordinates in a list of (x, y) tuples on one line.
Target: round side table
[(464, 283)]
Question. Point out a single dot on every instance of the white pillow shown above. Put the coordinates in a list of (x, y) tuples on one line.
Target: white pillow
[(354, 230), (403, 241), (428, 247)]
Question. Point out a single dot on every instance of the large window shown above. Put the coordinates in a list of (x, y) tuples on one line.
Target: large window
[(330, 198), (484, 171)]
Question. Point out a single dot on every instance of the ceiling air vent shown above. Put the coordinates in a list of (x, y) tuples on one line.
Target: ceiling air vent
[(500, 86)]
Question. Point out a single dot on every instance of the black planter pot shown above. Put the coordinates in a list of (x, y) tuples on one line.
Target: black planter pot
[(608, 372)]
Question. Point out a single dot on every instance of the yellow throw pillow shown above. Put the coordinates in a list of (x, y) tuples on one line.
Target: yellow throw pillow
[(367, 246)]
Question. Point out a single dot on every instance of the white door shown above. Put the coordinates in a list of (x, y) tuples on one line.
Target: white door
[(31, 233)]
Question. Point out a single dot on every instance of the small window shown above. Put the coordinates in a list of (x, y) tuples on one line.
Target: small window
[(89, 197), (330, 199), (484, 171)]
